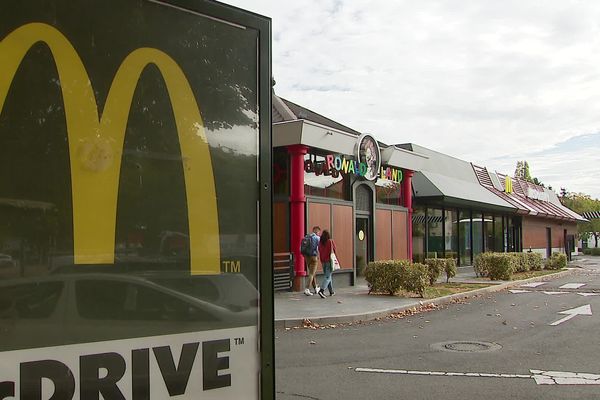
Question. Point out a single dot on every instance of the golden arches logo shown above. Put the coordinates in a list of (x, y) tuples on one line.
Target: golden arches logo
[(96, 144), (508, 185)]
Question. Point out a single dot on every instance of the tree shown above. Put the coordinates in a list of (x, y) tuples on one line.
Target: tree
[(580, 203), (522, 172)]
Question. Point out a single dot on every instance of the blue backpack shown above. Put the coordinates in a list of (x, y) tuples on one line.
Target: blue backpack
[(306, 246)]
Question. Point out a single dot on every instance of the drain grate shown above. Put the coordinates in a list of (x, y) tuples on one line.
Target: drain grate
[(468, 346)]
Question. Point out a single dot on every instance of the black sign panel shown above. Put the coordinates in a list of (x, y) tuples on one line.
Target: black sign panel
[(132, 157)]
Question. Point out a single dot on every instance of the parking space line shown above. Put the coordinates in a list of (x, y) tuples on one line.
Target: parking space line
[(572, 285), (540, 377), (533, 284)]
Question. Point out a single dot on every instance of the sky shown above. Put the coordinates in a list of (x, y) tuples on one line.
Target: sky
[(491, 82)]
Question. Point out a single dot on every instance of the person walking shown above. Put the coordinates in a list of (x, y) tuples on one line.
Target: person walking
[(326, 247), (312, 261)]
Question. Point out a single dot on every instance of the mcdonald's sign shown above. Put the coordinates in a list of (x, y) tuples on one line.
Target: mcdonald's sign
[(135, 144), (508, 184), (96, 143)]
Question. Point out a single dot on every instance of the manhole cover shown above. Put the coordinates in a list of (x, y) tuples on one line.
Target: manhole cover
[(466, 346)]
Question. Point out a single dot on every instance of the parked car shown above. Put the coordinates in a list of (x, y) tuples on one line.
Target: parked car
[(75, 308), (6, 261)]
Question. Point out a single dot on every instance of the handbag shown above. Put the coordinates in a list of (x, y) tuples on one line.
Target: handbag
[(335, 264)]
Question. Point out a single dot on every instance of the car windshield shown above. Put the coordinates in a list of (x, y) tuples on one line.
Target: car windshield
[(231, 291)]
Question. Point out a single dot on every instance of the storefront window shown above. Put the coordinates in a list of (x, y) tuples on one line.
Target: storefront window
[(464, 235), (281, 176), (418, 234), (319, 181), (498, 234), (509, 234), (477, 228), (451, 234), (435, 237), (488, 232), (388, 192)]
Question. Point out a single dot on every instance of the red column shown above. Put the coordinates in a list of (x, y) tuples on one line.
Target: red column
[(297, 211), (407, 195)]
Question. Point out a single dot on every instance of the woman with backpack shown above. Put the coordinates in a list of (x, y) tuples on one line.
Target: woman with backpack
[(326, 247)]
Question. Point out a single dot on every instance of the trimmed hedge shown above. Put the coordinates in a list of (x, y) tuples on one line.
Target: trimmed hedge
[(480, 266), (556, 261), (592, 251), (519, 262), (414, 278), (501, 266), (392, 275), (384, 276), (435, 266), (450, 268), (535, 261)]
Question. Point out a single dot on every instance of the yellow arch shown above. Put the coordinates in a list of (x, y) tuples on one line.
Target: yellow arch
[(96, 144)]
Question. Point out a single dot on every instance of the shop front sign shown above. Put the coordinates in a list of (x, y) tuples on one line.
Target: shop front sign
[(366, 164)]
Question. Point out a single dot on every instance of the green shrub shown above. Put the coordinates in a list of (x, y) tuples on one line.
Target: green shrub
[(384, 276), (480, 266), (435, 266), (592, 251), (414, 278), (450, 268), (392, 275), (520, 260), (535, 261), (556, 261), (501, 266), (497, 266)]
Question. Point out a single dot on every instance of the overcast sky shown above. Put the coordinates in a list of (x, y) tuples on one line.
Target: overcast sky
[(490, 82)]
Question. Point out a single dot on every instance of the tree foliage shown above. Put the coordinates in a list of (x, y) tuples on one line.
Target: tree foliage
[(580, 203), (523, 172)]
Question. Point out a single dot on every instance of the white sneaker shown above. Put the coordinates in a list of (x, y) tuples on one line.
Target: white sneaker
[(317, 290), (307, 292)]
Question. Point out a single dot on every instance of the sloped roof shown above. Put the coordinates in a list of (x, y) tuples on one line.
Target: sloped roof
[(285, 110), (528, 198), (451, 179)]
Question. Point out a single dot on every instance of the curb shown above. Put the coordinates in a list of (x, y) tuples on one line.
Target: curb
[(351, 318)]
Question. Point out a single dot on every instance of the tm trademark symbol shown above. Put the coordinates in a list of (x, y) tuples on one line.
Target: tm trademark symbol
[(239, 341)]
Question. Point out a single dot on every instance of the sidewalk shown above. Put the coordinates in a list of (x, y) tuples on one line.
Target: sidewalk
[(353, 304)]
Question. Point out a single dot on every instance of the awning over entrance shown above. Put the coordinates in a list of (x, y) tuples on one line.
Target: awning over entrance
[(315, 135), (447, 180)]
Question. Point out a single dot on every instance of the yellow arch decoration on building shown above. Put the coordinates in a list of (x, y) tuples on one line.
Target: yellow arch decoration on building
[(96, 144)]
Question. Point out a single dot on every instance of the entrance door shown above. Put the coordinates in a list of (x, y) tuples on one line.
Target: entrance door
[(362, 244)]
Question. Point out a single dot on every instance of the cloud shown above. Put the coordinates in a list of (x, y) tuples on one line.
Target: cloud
[(479, 80), (572, 164)]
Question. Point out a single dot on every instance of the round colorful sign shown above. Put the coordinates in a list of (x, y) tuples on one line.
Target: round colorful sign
[(369, 156)]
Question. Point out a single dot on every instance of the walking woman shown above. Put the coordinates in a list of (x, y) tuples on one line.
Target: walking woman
[(326, 247)]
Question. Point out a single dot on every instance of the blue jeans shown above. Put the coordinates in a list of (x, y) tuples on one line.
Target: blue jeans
[(328, 280)]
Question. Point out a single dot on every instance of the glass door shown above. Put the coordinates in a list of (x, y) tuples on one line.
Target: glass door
[(362, 245)]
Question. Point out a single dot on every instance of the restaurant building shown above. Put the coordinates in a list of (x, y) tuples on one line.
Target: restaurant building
[(461, 210), (328, 175), (381, 201)]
